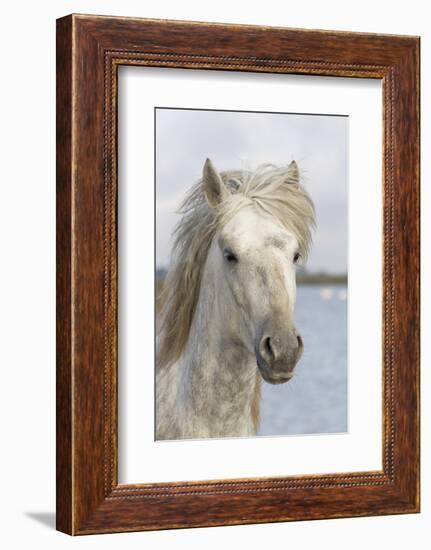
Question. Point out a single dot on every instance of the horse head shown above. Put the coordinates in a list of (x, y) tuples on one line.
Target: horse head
[(263, 224)]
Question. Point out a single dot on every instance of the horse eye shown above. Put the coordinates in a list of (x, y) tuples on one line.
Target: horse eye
[(296, 257), (230, 256)]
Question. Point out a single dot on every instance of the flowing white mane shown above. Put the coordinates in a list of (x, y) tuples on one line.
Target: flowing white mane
[(275, 191)]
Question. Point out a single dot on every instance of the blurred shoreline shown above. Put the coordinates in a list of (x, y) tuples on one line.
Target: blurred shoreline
[(321, 279)]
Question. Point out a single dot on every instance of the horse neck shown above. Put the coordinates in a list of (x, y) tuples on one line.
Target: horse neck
[(219, 378)]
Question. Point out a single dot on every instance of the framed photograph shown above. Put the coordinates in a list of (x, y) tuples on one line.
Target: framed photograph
[(237, 274)]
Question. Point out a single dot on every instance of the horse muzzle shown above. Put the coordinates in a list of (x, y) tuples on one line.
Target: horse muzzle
[(277, 355)]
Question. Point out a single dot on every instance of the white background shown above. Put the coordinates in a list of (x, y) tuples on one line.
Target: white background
[(143, 460), (27, 122)]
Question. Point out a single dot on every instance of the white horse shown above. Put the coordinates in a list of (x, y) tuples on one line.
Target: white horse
[(226, 311)]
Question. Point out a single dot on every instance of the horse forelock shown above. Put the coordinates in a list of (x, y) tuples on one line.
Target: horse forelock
[(266, 188)]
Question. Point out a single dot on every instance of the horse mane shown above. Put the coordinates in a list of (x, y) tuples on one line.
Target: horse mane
[(270, 191)]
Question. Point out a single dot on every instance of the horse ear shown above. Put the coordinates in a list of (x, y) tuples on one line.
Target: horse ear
[(214, 188), (292, 175)]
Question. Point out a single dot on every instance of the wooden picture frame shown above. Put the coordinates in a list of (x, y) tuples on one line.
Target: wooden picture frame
[(89, 52)]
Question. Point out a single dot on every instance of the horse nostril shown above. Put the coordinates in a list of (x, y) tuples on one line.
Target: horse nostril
[(268, 347), (273, 349), (300, 343)]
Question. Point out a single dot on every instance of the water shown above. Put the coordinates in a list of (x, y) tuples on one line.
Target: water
[(315, 400)]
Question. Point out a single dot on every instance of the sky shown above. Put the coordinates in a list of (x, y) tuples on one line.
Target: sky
[(234, 140)]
